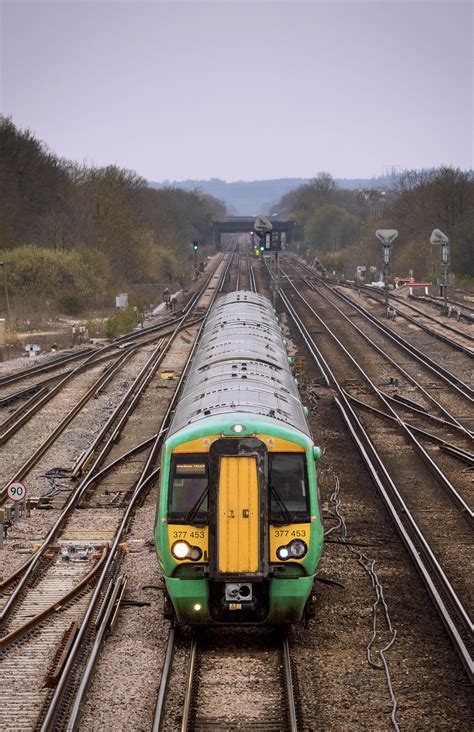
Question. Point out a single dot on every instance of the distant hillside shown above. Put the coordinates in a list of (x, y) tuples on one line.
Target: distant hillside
[(258, 196)]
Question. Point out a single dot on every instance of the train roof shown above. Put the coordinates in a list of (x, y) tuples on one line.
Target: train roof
[(240, 365)]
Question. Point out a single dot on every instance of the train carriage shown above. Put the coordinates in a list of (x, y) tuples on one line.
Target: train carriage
[(238, 529)]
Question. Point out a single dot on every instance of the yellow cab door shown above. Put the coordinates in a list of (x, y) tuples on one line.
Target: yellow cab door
[(238, 533)]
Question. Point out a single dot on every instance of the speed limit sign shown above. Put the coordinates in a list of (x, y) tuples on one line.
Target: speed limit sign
[(17, 492)]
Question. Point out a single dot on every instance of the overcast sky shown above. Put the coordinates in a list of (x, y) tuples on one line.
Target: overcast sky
[(243, 90)]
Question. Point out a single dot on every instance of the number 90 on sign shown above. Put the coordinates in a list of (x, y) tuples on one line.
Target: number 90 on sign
[(17, 492)]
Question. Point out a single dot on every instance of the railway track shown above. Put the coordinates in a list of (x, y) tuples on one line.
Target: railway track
[(257, 664), (92, 356), (466, 309), (421, 319), (245, 276), (416, 491), (436, 386), (78, 585), (33, 411)]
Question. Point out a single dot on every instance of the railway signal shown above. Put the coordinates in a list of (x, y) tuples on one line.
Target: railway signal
[(437, 238), (387, 237), (195, 248), (270, 241)]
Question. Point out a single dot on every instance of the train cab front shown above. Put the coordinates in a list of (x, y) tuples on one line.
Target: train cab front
[(241, 536)]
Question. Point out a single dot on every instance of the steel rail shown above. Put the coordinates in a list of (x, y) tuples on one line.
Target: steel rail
[(445, 483), (377, 469), (32, 622), (417, 410), (453, 381), (23, 408), (92, 477), (21, 473), (49, 720), (290, 692), (460, 386), (148, 474), (39, 398), (383, 482), (239, 263), (108, 612), (190, 684), (100, 383), (47, 381), (30, 391), (252, 280), (453, 344), (402, 303), (188, 694), (159, 713), (78, 493), (27, 568), (103, 379), (123, 410), (439, 303), (18, 572), (462, 454), (48, 366), (399, 368), (119, 340), (105, 353), (375, 293)]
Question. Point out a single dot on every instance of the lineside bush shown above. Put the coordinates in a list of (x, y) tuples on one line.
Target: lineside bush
[(123, 321)]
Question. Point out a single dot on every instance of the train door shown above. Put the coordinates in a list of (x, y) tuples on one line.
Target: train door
[(238, 534), (238, 516)]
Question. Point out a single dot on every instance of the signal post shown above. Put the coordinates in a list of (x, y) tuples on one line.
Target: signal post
[(270, 241)]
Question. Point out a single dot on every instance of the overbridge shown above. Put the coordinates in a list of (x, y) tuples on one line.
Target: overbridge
[(245, 224)]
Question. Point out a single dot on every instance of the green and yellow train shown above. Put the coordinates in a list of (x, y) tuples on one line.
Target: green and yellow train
[(238, 530)]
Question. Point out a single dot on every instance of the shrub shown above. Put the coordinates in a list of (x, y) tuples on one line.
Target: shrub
[(123, 321)]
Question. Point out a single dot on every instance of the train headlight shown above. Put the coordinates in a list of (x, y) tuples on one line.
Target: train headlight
[(283, 553), (195, 554), (181, 550), (297, 548), (238, 428)]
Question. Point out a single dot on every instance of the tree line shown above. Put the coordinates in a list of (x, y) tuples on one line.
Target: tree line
[(79, 232), (339, 225)]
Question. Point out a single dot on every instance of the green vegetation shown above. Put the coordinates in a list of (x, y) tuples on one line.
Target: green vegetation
[(122, 322), (76, 234), (338, 226)]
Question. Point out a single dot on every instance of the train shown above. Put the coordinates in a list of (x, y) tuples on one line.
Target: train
[(238, 529)]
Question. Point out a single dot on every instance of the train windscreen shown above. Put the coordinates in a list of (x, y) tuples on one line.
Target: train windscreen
[(188, 491), (288, 488)]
